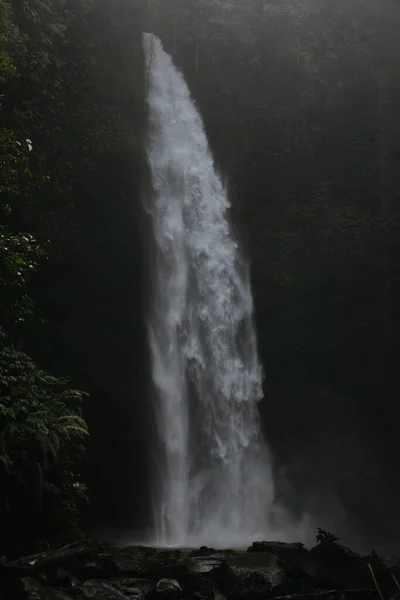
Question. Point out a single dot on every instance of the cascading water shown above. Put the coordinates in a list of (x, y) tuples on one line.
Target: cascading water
[(214, 485)]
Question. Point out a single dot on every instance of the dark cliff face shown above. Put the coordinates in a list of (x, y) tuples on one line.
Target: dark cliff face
[(300, 102)]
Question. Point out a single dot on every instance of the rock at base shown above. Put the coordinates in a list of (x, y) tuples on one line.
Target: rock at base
[(118, 589), (168, 588), (32, 589)]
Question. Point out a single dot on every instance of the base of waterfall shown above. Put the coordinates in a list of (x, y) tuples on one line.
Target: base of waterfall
[(266, 570), (223, 539)]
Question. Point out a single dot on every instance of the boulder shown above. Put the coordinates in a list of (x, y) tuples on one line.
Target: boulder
[(69, 557), (94, 569), (281, 549), (117, 589), (168, 589), (128, 562), (165, 566), (135, 588), (32, 589), (255, 574), (216, 570), (203, 551), (197, 587), (201, 565), (333, 566), (144, 562), (331, 595), (101, 590), (273, 569), (11, 570), (206, 594), (218, 595)]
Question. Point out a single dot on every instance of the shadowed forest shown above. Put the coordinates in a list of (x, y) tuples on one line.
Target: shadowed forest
[(301, 103)]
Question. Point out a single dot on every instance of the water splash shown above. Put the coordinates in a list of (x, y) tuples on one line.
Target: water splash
[(214, 485)]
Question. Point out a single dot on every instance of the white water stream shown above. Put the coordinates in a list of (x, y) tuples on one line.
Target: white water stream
[(214, 484)]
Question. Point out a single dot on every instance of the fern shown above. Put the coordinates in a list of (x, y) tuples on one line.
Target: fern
[(41, 435)]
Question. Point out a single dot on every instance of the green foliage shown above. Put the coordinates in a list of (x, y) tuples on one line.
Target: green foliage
[(41, 424), (12, 164), (70, 80), (7, 68), (19, 252), (41, 435), (18, 259)]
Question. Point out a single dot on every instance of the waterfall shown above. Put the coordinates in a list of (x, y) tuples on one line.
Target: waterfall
[(214, 483)]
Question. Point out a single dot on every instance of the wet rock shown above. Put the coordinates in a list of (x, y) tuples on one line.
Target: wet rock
[(331, 595), (168, 588), (32, 589), (245, 564), (275, 572), (197, 587), (129, 562), (258, 547), (217, 571), (267, 570), (125, 588), (50, 566), (63, 577), (163, 566), (203, 551), (73, 588), (93, 569), (10, 570), (209, 593), (133, 587), (218, 595), (202, 565), (173, 554), (281, 549), (255, 576), (333, 566), (101, 590), (70, 557), (60, 578)]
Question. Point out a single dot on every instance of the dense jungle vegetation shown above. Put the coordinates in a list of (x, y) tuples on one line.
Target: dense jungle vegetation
[(62, 118)]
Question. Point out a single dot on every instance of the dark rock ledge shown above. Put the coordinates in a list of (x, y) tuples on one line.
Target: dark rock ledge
[(267, 570)]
